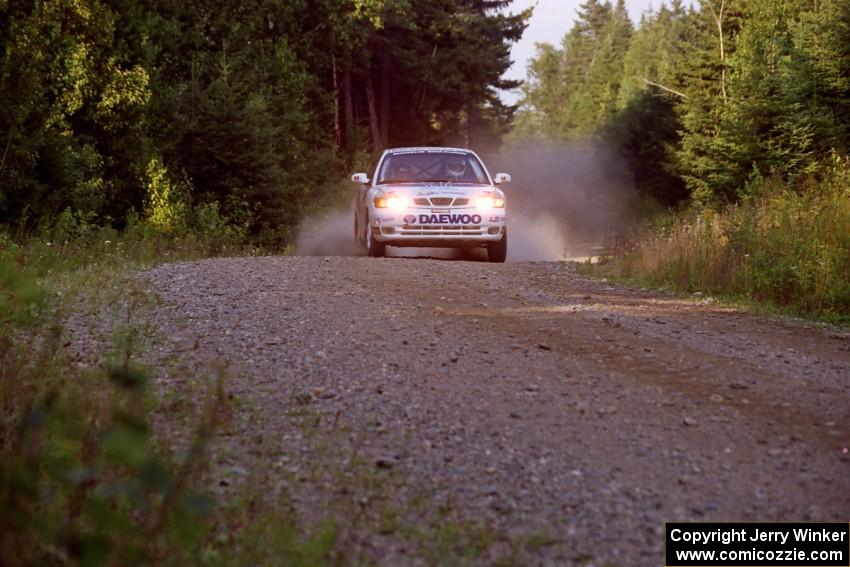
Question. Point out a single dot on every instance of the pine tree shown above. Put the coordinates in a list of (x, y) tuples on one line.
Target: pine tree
[(702, 156), (541, 111), (595, 104), (816, 75), (576, 87)]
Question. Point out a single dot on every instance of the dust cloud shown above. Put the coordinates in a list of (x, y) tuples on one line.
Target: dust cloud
[(330, 233), (564, 203)]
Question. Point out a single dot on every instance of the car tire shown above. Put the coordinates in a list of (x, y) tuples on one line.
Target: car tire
[(374, 248), (498, 251), (359, 236)]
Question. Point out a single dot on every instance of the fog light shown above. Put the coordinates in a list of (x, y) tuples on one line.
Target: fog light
[(494, 230), (387, 230)]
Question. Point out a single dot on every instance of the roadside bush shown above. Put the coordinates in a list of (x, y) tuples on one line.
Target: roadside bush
[(218, 232), (782, 245), (83, 478)]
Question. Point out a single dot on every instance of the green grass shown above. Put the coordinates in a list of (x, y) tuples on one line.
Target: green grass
[(783, 248), (84, 479)]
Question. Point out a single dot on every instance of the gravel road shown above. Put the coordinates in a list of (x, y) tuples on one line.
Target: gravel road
[(450, 411)]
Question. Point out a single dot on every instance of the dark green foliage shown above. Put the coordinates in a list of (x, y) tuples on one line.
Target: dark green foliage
[(433, 67), (574, 90), (787, 103), (647, 133), (740, 108), (83, 478), (706, 98), (71, 112), (158, 107), (780, 246)]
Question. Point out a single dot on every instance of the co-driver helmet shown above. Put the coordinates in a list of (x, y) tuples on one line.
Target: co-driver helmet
[(455, 168)]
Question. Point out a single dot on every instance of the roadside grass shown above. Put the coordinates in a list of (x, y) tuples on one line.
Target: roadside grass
[(782, 249), (84, 479)]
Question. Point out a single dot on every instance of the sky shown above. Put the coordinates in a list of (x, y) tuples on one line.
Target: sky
[(552, 19)]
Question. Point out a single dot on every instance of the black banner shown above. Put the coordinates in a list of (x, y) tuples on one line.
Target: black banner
[(757, 544)]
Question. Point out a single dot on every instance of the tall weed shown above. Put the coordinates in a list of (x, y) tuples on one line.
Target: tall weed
[(83, 478), (782, 245)]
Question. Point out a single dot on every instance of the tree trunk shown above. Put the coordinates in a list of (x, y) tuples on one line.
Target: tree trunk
[(337, 130), (425, 82), (386, 68), (377, 142), (348, 107), (718, 20)]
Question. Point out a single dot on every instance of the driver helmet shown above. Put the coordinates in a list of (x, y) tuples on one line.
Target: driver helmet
[(404, 171), (455, 168)]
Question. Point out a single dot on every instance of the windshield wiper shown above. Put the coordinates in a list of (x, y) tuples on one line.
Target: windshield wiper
[(388, 181)]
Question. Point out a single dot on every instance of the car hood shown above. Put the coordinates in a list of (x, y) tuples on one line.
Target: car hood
[(412, 190)]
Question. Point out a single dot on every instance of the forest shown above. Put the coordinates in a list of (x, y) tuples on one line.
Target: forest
[(179, 111), (236, 120), (732, 114), (701, 100), (253, 111)]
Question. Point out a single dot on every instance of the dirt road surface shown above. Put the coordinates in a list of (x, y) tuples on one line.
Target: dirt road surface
[(456, 412)]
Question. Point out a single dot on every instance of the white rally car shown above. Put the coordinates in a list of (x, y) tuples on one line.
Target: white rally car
[(431, 197)]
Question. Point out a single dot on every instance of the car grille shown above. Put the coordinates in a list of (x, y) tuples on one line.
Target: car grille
[(443, 230), (440, 202)]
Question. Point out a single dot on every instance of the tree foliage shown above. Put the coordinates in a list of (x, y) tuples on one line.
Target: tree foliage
[(160, 106), (700, 100)]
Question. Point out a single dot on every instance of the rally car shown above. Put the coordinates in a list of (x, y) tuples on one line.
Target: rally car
[(431, 197)]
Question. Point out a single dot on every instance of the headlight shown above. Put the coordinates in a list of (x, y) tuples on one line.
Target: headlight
[(397, 203), (392, 203), (490, 203)]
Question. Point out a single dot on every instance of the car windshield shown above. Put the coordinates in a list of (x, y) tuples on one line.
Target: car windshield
[(431, 167)]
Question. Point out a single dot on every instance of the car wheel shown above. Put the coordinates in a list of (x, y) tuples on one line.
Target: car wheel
[(498, 251), (375, 249)]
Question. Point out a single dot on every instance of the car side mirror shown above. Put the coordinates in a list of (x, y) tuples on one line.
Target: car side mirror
[(360, 178), (502, 178)]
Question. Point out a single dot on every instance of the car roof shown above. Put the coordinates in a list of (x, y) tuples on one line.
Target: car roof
[(428, 149)]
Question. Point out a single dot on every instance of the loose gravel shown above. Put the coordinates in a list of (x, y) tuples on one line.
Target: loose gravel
[(543, 417)]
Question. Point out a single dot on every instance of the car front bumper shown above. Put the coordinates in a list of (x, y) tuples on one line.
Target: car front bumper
[(456, 227)]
